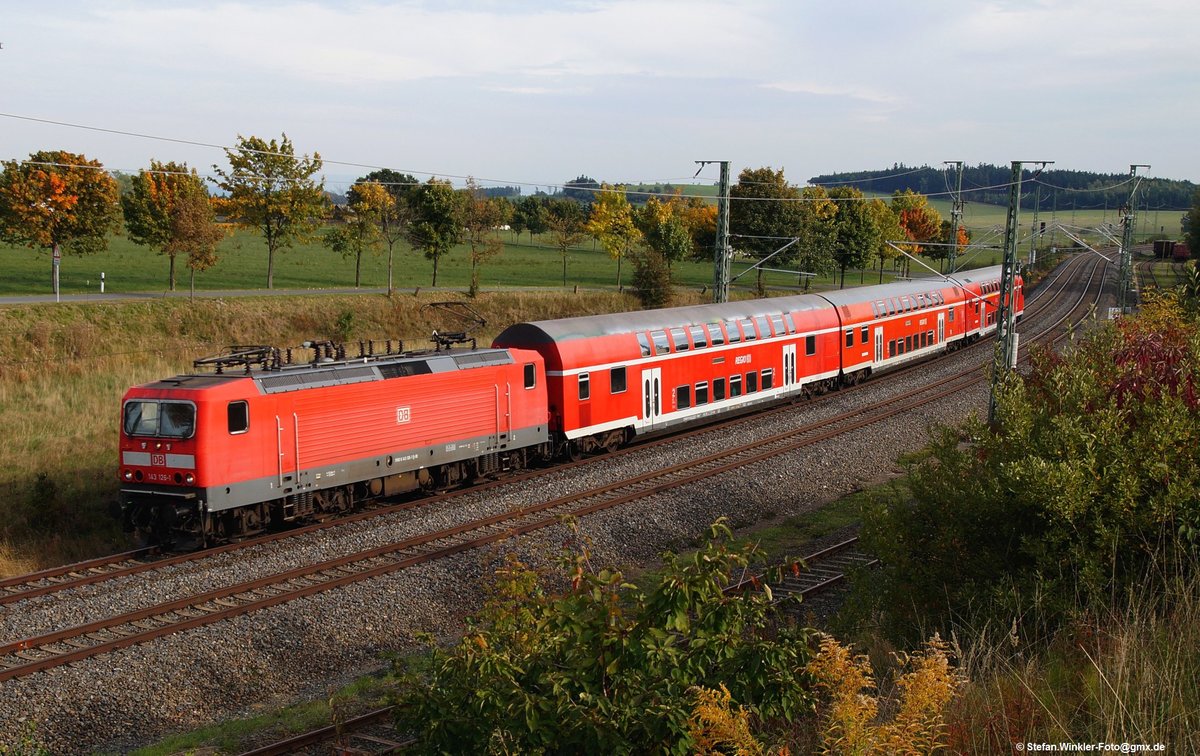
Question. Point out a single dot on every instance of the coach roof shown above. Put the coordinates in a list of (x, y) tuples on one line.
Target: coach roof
[(590, 326)]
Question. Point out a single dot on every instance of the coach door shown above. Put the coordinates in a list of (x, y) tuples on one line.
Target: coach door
[(879, 340), (941, 327), (789, 365), (651, 396)]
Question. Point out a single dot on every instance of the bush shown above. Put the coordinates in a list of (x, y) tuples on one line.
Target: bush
[(651, 278)]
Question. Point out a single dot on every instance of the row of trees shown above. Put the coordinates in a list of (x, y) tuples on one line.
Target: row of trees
[(66, 201)]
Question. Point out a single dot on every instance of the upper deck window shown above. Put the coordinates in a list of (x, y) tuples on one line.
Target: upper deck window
[(644, 343), (161, 419), (699, 336), (734, 334), (714, 333), (661, 345), (679, 337), (748, 330)]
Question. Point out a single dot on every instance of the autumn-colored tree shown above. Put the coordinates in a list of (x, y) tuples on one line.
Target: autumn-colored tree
[(195, 233), (394, 217), (366, 205), (481, 217), (272, 192), (700, 217), (436, 221), (856, 233), (58, 199), (566, 222), (664, 230), (949, 247), (611, 223), (920, 221), (152, 202)]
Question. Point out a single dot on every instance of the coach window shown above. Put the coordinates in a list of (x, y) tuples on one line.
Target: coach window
[(530, 375), (699, 336), (764, 329), (908, 343), (735, 385), (701, 393), (238, 414), (932, 340), (661, 345), (789, 322), (751, 382), (866, 334), (768, 379), (715, 335), (850, 337), (616, 378), (951, 316), (874, 310), (585, 386), (892, 348), (683, 397), (735, 335), (718, 389), (644, 343), (679, 339), (748, 330), (810, 345)]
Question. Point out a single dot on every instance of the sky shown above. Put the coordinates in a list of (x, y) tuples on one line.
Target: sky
[(521, 92)]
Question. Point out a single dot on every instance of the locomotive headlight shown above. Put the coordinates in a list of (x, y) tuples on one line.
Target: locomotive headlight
[(189, 479), (127, 475)]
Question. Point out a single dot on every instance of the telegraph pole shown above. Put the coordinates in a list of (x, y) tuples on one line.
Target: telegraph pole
[(956, 212), (1006, 335), (722, 253), (1128, 222)]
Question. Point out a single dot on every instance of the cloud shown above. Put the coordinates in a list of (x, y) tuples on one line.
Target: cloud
[(832, 90)]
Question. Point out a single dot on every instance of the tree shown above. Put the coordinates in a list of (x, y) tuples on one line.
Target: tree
[(664, 230), (58, 200), (394, 217), (765, 213), (921, 223), (272, 192), (604, 666), (565, 220), (366, 205), (814, 250), (481, 217), (890, 230), (651, 278), (611, 223), (152, 203), (1191, 226), (855, 231), (532, 215), (194, 231), (436, 221), (700, 218), (582, 189)]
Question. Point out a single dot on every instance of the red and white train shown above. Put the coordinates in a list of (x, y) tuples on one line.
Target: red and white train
[(264, 441)]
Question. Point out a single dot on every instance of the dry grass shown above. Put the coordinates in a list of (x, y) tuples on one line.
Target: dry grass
[(1129, 674), (64, 368)]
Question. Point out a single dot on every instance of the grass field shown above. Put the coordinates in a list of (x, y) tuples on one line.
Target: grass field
[(243, 265)]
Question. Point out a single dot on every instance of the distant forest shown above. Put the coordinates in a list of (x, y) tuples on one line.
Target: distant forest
[(1052, 189)]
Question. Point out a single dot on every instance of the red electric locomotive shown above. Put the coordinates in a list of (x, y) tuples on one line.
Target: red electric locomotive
[(262, 442)]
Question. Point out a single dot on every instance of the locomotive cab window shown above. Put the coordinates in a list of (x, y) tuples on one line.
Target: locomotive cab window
[(162, 419), (585, 386), (810, 345), (530, 375), (238, 417), (616, 377)]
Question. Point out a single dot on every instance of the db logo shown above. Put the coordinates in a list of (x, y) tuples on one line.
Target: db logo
[(159, 460)]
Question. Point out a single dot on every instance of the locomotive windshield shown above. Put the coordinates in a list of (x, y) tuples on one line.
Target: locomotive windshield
[(162, 419)]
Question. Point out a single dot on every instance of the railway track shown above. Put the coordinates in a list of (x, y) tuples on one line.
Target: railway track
[(140, 561), (34, 654)]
